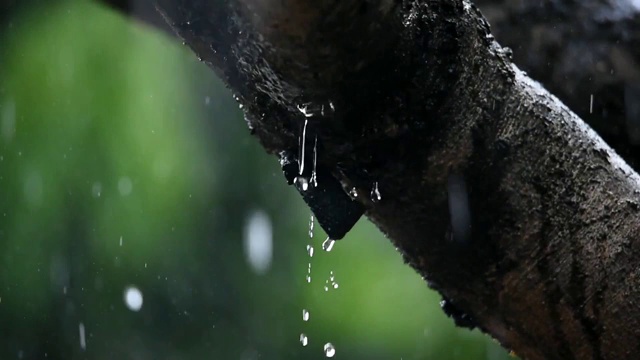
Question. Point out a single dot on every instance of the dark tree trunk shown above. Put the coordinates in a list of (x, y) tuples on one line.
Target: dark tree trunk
[(585, 52), (501, 197)]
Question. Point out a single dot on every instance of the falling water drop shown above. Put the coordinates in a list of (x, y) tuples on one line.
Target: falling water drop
[(310, 250), (311, 223), (329, 350), (327, 245), (304, 340), (133, 298), (305, 315), (83, 341)]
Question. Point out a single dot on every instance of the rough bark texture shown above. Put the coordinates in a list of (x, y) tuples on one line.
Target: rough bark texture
[(585, 52), (416, 99)]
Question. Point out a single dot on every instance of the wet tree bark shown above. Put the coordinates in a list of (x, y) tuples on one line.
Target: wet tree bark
[(494, 191), (585, 52)]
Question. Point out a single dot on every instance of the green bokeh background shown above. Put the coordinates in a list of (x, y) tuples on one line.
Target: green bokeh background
[(125, 162)]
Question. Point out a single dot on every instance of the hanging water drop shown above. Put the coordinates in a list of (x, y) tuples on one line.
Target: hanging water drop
[(327, 245), (302, 148), (304, 340), (329, 350), (375, 193), (305, 110), (353, 193), (314, 174), (303, 183), (305, 315)]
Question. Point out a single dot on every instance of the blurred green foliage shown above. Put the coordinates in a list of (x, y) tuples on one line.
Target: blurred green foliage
[(125, 162)]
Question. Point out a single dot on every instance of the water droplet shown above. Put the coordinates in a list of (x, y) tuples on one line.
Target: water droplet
[(258, 241), (120, 240), (310, 250), (311, 224), (327, 245), (133, 298), (302, 147), (304, 340), (303, 183), (306, 110), (329, 350), (308, 278), (83, 339), (314, 174), (305, 315), (335, 285), (375, 193), (353, 193)]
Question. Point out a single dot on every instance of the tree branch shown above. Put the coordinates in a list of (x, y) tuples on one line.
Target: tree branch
[(585, 52), (495, 192)]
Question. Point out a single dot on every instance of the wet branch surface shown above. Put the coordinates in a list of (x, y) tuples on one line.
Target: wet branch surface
[(585, 52), (494, 191)]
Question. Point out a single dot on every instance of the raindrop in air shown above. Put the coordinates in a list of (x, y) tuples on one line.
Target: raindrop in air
[(305, 315), (327, 245), (311, 223), (83, 339), (133, 298), (329, 350), (310, 250), (258, 241), (304, 340)]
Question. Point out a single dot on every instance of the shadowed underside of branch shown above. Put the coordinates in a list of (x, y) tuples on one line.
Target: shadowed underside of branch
[(495, 192)]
